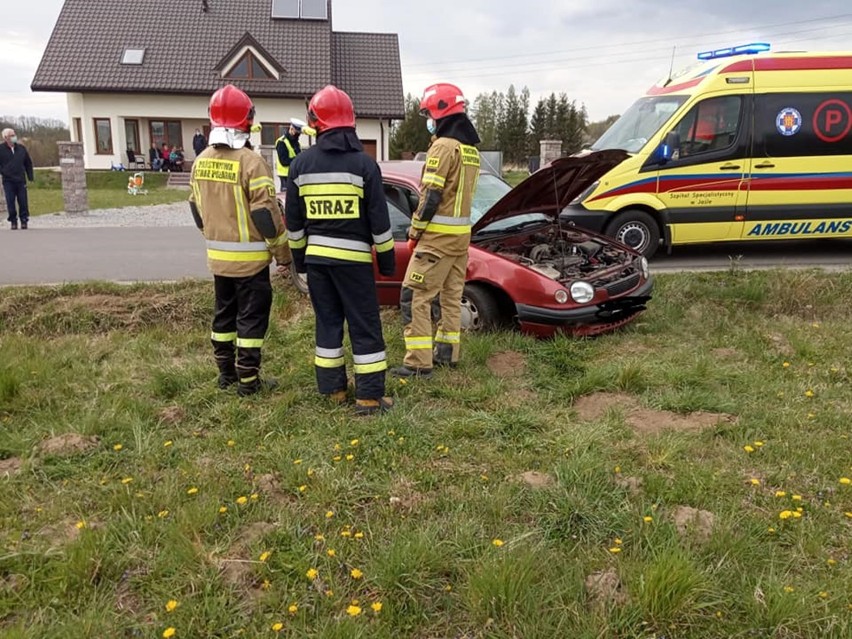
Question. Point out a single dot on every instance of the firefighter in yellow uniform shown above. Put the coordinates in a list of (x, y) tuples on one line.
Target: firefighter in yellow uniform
[(286, 149), (234, 205), (440, 235)]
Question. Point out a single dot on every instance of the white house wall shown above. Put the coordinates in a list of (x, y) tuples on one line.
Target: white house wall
[(191, 111)]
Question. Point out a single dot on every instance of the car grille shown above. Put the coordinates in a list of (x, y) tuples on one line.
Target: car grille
[(623, 285)]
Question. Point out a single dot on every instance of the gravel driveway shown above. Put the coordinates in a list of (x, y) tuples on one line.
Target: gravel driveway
[(176, 214)]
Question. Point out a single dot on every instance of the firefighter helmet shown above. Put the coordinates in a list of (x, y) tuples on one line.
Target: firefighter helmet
[(231, 108), (330, 108), (441, 100)]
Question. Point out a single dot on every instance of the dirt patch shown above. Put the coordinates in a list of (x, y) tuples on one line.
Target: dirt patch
[(645, 420), (250, 534), (604, 589), (172, 415), (68, 444), (10, 466), (126, 600), (691, 521), (726, 353), (13, 583), (270, 486), (535, 479), (633, 485), (404, 497), (507, 365), (781, 344)]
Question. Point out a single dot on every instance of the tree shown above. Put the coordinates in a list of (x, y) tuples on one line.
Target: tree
[(512, 128), (409, 135), (486, 114), (39, 136)]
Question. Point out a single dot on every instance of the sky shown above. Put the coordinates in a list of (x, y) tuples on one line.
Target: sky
[(602, 53)]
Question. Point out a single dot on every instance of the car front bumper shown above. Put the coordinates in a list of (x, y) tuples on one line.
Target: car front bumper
[(579, 215)]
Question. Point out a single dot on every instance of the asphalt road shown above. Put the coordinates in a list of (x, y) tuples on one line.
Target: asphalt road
[(52, 256)]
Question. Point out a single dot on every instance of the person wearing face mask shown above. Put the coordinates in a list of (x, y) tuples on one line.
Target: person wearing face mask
[(439, 234), (16, 167), (199, 142)]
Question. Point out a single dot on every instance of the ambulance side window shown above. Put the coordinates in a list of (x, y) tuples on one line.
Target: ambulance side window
[(710, 126), (803, 124)]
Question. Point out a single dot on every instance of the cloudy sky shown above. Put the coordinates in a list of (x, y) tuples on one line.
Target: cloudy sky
[(603, 53)]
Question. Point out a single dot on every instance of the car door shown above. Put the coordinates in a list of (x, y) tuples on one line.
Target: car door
[(400, 209), (801, 183), (704, 185)]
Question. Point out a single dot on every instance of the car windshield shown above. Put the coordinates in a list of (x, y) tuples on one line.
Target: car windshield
[(639, 123), (489, 190)]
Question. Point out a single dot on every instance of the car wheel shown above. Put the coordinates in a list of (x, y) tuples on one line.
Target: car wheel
[(636, 229), (479, 310), (300, 281)]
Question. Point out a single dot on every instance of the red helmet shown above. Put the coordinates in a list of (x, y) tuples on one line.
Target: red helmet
[(330, 108), (230, 108), (441, 100)]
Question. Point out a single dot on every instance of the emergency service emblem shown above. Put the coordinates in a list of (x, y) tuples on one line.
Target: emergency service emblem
[(788, 122)]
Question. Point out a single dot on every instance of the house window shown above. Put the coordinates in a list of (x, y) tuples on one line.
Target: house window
[(133, 56), (166, 132), (248, 67), (131, 135), (103, 136), (304, 9), (271, 131)]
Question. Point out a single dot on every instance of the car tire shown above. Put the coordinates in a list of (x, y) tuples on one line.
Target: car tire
[(479, 309), (299, 280), (636, 229)]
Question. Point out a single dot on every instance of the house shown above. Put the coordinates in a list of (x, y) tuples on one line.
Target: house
[(142, 71)]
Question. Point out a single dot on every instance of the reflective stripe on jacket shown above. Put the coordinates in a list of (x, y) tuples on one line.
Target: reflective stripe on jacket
[(283, 170)]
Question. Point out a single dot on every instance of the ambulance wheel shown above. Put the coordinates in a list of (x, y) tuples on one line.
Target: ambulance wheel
[(300, 281), (636, 229), (479, 309)]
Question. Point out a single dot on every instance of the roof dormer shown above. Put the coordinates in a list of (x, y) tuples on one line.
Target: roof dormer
[(248, 60)]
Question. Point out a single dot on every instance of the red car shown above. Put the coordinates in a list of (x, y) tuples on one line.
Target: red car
[(525, 269)]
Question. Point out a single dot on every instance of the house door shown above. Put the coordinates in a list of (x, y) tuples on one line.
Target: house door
[(131, 135), (370, 148)]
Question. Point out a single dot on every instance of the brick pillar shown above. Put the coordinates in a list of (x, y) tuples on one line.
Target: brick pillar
[(550, 150), (74, 191)]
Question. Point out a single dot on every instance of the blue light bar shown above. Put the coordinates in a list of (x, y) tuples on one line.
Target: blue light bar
[(743, 49)]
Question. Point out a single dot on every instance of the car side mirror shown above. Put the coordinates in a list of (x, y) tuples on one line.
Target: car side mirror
[(670, 147)]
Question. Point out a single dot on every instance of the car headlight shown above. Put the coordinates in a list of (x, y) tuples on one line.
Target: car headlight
[(586, 193), (643, 263), (561, 296), (582, 292)]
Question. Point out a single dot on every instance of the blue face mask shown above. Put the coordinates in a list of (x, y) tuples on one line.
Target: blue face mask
[(14, 139), (431, 126)]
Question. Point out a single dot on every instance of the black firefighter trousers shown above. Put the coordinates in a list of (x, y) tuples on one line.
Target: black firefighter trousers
[(347, 292), (240, 323)]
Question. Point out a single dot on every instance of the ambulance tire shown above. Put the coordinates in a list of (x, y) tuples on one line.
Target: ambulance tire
[(636, 229), (480, 311), (300, 281)]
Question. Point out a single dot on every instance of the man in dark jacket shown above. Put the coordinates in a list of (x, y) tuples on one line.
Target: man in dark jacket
[(336, 216), (16, 167), (199, 142)]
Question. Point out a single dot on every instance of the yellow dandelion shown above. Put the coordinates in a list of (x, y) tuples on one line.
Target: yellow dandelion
[(163, 514), (127, 480), (618, 541), (168, 443), (223, 510), (376, 606), (359, 535), (310, 472), (786, 364), (748, 448), (616, 470), (809, 393), (331, 552), (329, 593), (797, 514), (789, 589), (780, 493), (647, 519), (356, 574), (80, 525), (848, 514), (265, 555), (169, 632), (171, 605), (759, 444), (353, 610), (277, 626), (242, 500), (350, 457), (770, 530), (329, 514), (303, 488), (297, 462), (247, 467), (754, 481), (497, 543), (845, 481), (830, 561), (823, 595), (312, 573), (266, 585), (785, 514), (483, 477), (191, 491), (796, 498), (337, 447), (337, 458), (254, 496), (815, 325), (354, 443), (719, 614), (319, 537), (117, 447), (293, 609), (615, 550), (448, 588), (811, 415), (345, 533), (403, 382)]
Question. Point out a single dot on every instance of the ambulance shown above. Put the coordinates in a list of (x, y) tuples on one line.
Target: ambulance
[(746, 145)]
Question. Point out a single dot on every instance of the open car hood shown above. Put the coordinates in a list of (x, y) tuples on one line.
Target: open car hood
[(552, 188)]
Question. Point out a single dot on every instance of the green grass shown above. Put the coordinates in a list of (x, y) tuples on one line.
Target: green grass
[(107, 189), (430, 486), (515, 177)]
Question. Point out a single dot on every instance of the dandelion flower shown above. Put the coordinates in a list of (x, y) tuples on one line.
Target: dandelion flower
[(754, 481), (163, 514), (618, 541), (845, 481), (265, 555), (786, 364), (823, 595), (167, 443), (277, 626), (780, 493), (171, 605), (336, 458), (497, 542), (127, 480), (796, 498), (319, 537), (831, 561), (310, 472), (785, 514), (254, 496), (266, 585), (80, 525), (117, 447), (312, 574), (223, 510), (770, 530), (848, 514), (403, 382), (377, 607), (354, 443), (353, 610), (809, 393), (337, 447), (293, 609), (615, 550), (297, 461), (647, 519), (303, 488), (748, 448), (356, 574), (191, 491), (329, 514), (231, 443), (345, 533), (331, 552), (350, 457), (796, 514), (789, 589), (168, 632), (242, 500), (329, 593), (359, 535), (759, 444)]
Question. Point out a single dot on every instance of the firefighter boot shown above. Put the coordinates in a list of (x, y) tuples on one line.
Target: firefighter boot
[(337, 397), (224, 352), (442, 356), (404, 372), (365, 407), (256, 385)]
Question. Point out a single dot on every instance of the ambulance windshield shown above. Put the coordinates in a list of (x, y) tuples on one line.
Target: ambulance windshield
[(639, 123)]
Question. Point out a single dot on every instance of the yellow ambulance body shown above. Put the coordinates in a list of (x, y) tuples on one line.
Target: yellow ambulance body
[(740, 147)]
